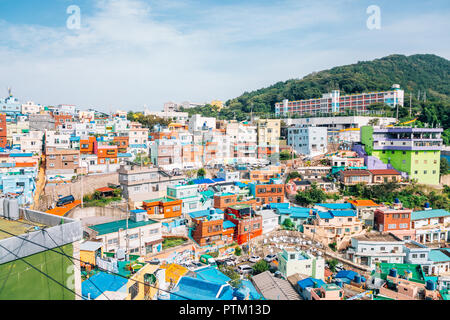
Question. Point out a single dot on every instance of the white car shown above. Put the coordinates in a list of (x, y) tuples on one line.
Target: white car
[(245, 269), (270, 257), (254, 259)]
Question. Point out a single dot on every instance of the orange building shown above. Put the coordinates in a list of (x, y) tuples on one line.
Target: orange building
[(267, 193), (88, 146), (396, 221), (121, 143), (168, 206), (224, 200), (248, 223), (107, 154), (62, 118)]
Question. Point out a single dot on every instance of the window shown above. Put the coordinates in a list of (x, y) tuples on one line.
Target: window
[(134, 236), (392, 226), (422, 255)]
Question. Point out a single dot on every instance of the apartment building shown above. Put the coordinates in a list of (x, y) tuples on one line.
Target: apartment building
[(57, 140), (31, 108), (3, 131), (166, 207), (225, 200), (335, 103), (292, 261), (248, 223), (268, 132), (30, 142), (66, 159), (372, 248), (335, 226), (141, 183), (139, 235), (351, 177), (432, 226), (414, 151), (308, 140), (396, 220), (209, 228), (267, 193), (107, 154)]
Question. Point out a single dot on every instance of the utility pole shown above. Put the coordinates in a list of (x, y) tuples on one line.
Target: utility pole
[(410, 104)]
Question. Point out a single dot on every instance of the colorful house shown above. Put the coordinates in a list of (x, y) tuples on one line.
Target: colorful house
[(167, 206), (248, 223)]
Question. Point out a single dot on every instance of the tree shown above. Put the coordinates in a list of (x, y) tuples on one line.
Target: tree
[(201, 173), (312, 195), (288, 224), (237, 251), (235, 281), (332, 264), (444, 168), (260, 267)]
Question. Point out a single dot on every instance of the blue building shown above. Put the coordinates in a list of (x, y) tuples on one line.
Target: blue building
[(10, 106)]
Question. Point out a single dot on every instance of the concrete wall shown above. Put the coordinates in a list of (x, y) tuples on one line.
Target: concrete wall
[(445, 179), (90, 183)]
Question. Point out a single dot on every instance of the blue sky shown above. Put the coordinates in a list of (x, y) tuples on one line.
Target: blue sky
[(134, 53)]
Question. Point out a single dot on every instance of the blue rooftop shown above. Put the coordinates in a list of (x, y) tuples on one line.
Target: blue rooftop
[(426, 214), (100, 283), (439, 255), (296, 212), (203, 181), (335, 206), (309, 283), (283, 205), (74, 138), (138, 146), (204, 213), (240, 184), (124, 155), (325, 215), (19, 155), (212, 275), (343, 213), (227, 224), (198, 289), (218, 180)]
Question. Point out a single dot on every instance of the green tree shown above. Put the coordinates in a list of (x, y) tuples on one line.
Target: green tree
[(235, 281), (260, 267), (201, 173), (332, 264), (288, 224), (310, 196), (237, 251), (444, 167)]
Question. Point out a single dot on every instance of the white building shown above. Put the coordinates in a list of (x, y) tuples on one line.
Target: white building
[(30, 142), (310, 141), (269, 220), (370, 248), (291, 261), (31, 108), (197, 123), (57, 140), (229, 176)]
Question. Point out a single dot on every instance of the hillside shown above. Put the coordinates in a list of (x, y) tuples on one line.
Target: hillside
[(424, 72)]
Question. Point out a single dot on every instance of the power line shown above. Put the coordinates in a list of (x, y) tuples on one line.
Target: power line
[(101, 269), (44, 230)]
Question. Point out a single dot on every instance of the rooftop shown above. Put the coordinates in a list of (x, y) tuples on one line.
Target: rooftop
[(348, 173), (114, 226), (426, 214), (17, 227), (335, 206), (162, 199), (377, 237), (364, 203), (384, 172)]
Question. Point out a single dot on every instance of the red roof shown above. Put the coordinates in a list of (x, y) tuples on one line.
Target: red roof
[(105, 189), (384, 172), (355, 173)]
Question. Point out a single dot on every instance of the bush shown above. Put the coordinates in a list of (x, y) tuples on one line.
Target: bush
[(332, 246), (238, 251), (260, 266)]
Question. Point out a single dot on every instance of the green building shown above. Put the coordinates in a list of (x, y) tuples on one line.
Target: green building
[(39, 270), (415, 151)]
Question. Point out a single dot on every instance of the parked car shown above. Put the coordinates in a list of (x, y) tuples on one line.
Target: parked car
[(270, 257), (245, 269), (230, 263), (254, 259), (65, 200), (277, 274), (155, 261)]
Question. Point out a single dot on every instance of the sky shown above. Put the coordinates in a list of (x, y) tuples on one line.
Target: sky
[(137, 54)]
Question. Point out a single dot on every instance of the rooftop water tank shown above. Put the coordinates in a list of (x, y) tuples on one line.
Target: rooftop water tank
[(6, 208), (396, 200), (430, 285), (14, 209), (393, 273), (2, 199), (357, 279), (427, 204), (338, 283)]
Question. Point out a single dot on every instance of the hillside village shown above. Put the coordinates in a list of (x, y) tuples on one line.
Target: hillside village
[(349, 206)]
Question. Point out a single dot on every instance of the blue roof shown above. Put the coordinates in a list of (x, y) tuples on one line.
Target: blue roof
[(100, 283), (218, 180), (138, 146), (309, 283), (203, 213), (343, 213), (240, 184), (212, 275), (227, 224), (325, 215), (335, 206), (74, 138), (124, 155), (138, 210), (426, 214), (199, 289), (282, 205), (348, 274), (203, 181), (439, 255), (18, 155), (296, 212)]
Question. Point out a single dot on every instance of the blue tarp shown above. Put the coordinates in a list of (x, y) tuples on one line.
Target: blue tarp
[(309, 283), (335, 206), (227, 224), (103, 281), (203, 181)]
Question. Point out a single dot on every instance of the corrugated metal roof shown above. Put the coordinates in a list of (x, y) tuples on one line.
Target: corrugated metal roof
[(426, 214), (274, 288)]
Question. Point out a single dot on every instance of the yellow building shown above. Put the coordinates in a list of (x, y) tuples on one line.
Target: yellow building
[(142, 285), (89, 251), (269, 131), (217, 103)]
